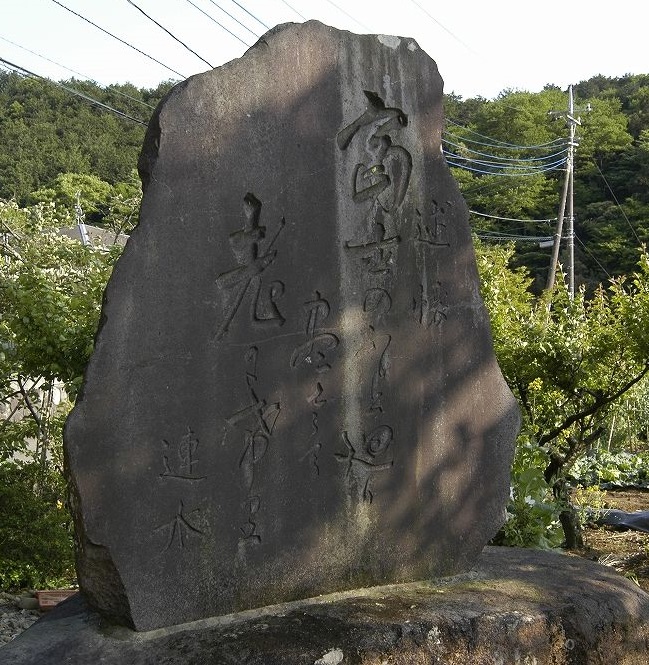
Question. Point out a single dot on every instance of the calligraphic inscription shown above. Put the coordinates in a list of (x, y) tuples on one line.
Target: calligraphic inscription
[(314, 351), (317, 399), (382, 180), (180, 458), (428, 306), (254, 256), (433, 232), (377, 301), (180, 461), (314, 354), (381, 372), (314, 445), (254, 425), (180, 527), (365, 458)]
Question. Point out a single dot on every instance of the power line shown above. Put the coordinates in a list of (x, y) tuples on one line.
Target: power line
[(253, 16), (290, 7), (500, 158), (592, 256), (83, 76), (110, 34), (509, 237), (530, 170), (498, 165), (26, 72), (432, 18), (511, 219), (215, 21), (502, 144), (243, 25), (182, 43), (340, 9), (617, 203)]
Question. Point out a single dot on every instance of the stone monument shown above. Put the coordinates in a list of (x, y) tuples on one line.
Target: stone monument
[(293, 389)]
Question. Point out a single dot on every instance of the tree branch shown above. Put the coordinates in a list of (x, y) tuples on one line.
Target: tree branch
[(600, 401), (29, 405)]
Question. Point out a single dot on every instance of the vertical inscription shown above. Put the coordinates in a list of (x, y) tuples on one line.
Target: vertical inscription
[(365, 458), (382, 180), (379, 182), (433, 233), (314, 350), (428, 307), (179, 528), (254, 256), (429, 299), (315, 355), (380, 372), (253, 425), (180, 458), (180, 462)]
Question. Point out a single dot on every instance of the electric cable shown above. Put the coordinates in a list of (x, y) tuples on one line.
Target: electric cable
[(304, 18), (340, 9), (618, 203), (466, 140), (83, 76), (234, 18), (22, 71), (498, 142), (506, 170), (506, 159), (250, 14), (512, 219), (430, 16), (215, 21), (530, 171), (592, 256), (502, 165), (110, 34), (497, 235), (182, 43)]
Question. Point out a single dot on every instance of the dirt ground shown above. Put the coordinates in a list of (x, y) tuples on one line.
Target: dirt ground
[(626, 551)]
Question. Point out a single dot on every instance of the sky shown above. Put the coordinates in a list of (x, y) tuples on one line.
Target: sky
[(481, 47)]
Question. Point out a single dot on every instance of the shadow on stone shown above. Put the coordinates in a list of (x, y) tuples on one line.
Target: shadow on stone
[(293, 389)]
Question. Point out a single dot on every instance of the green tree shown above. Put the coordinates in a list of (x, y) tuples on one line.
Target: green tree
[(50, 297), (568, 361), (46, 130)]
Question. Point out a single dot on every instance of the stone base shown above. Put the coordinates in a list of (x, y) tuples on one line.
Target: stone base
[(516, 606)]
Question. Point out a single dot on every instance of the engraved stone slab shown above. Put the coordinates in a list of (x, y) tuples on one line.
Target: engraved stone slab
[(293, 389)]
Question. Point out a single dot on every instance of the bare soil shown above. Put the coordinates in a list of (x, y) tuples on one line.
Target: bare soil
[(625, 551)]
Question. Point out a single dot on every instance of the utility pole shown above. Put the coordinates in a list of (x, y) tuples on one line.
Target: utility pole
[(567, 202), (81, 218)]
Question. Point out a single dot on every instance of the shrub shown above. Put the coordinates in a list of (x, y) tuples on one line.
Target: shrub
[(36, 546)]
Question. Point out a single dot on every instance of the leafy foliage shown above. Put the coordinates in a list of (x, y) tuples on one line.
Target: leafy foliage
[(611, 200), (50, 297), (569, 362), (45, 131), (35, 530)]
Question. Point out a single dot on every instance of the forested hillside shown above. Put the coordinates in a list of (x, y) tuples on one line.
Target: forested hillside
[(46, 130), (509, 156)]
